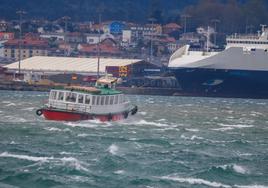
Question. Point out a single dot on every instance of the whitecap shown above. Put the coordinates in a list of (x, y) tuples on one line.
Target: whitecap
[(83, 135), (11, 104), (73, 162), (25, 157), (28, 109), (120, 172), (196, 181), (113, 149), (192, 130), (84, 125), (52, 129), (144, 122), (194, 137), (240, 169), (224, 129), (236, 168), (251, 186), (142, 113), (239, 126)]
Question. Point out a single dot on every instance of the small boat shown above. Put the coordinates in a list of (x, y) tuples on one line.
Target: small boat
[(76, 103)]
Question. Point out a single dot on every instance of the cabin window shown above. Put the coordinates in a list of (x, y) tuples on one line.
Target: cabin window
[(93, 100), (98, 100), (81, 99), (102, 100), (60, 96), (106, 100), (111, 100), (116, 99), (53, 95), (87, 99), (71, 97)]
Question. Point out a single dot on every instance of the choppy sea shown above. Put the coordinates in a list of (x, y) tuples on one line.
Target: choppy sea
[(171, 142)]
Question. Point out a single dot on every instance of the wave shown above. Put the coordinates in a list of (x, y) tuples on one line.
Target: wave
[(251, 186), (239, 126), (26, 157), (113, 149), (236, 168), (194, 137), (69, 161), (119, 172), (73, 162), (195, 181), (192, 130), (157, 124)]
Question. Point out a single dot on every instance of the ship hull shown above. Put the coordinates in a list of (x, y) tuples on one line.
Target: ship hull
[(60, 115), (223, 83)]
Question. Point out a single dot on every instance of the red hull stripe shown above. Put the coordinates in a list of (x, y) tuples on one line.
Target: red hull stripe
[(72, 116)]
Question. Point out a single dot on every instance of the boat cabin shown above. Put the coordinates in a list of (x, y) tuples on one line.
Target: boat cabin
[(86, 99)]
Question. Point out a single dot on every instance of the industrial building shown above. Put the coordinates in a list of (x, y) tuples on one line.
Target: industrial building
[(43, 67)]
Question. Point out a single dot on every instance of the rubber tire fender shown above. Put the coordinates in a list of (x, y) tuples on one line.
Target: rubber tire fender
[(39, 112)]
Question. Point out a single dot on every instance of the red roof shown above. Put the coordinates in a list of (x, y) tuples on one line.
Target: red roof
[(172, 26), (93, 48), (28, 42)]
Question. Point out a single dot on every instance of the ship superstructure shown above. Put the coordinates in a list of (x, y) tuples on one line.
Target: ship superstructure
[(239, 70)]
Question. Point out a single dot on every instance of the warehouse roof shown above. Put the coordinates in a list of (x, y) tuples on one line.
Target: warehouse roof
[(68, 64)]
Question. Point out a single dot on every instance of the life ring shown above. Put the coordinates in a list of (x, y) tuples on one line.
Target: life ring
[(39, 112)]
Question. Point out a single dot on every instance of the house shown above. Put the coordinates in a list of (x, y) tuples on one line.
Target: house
[(6, 36), (107, 47), (30, 46), (145, 31), (171, 27)]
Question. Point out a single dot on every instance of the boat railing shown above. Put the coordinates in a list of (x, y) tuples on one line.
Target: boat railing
[(69, 106)]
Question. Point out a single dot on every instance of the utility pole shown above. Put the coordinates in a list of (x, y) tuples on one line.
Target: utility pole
[(152, 20), (185, 17), (98, 46), (20, 13), (215, 21), (65, 19)]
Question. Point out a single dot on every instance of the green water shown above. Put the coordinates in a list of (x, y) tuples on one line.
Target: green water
[(171, 142)]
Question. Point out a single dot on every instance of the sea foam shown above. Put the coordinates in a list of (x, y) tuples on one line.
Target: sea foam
[(195, 181), (113, 149)]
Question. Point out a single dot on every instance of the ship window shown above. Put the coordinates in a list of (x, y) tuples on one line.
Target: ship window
[(111, 100), (87, 100), (81, 99), (60, 96), (266, 50), (71, 97), (53, 95), (106, 100), (116, 99), (102, 100), (93, 100)]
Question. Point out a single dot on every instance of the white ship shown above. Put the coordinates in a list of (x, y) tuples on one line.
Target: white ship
[(239, 70)]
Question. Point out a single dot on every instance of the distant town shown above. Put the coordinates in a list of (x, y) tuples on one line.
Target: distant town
[(136, 52)]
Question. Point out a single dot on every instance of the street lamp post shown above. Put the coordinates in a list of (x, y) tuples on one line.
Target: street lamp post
[(20, 13), (65, 19), (152, 20), (99, 38)]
